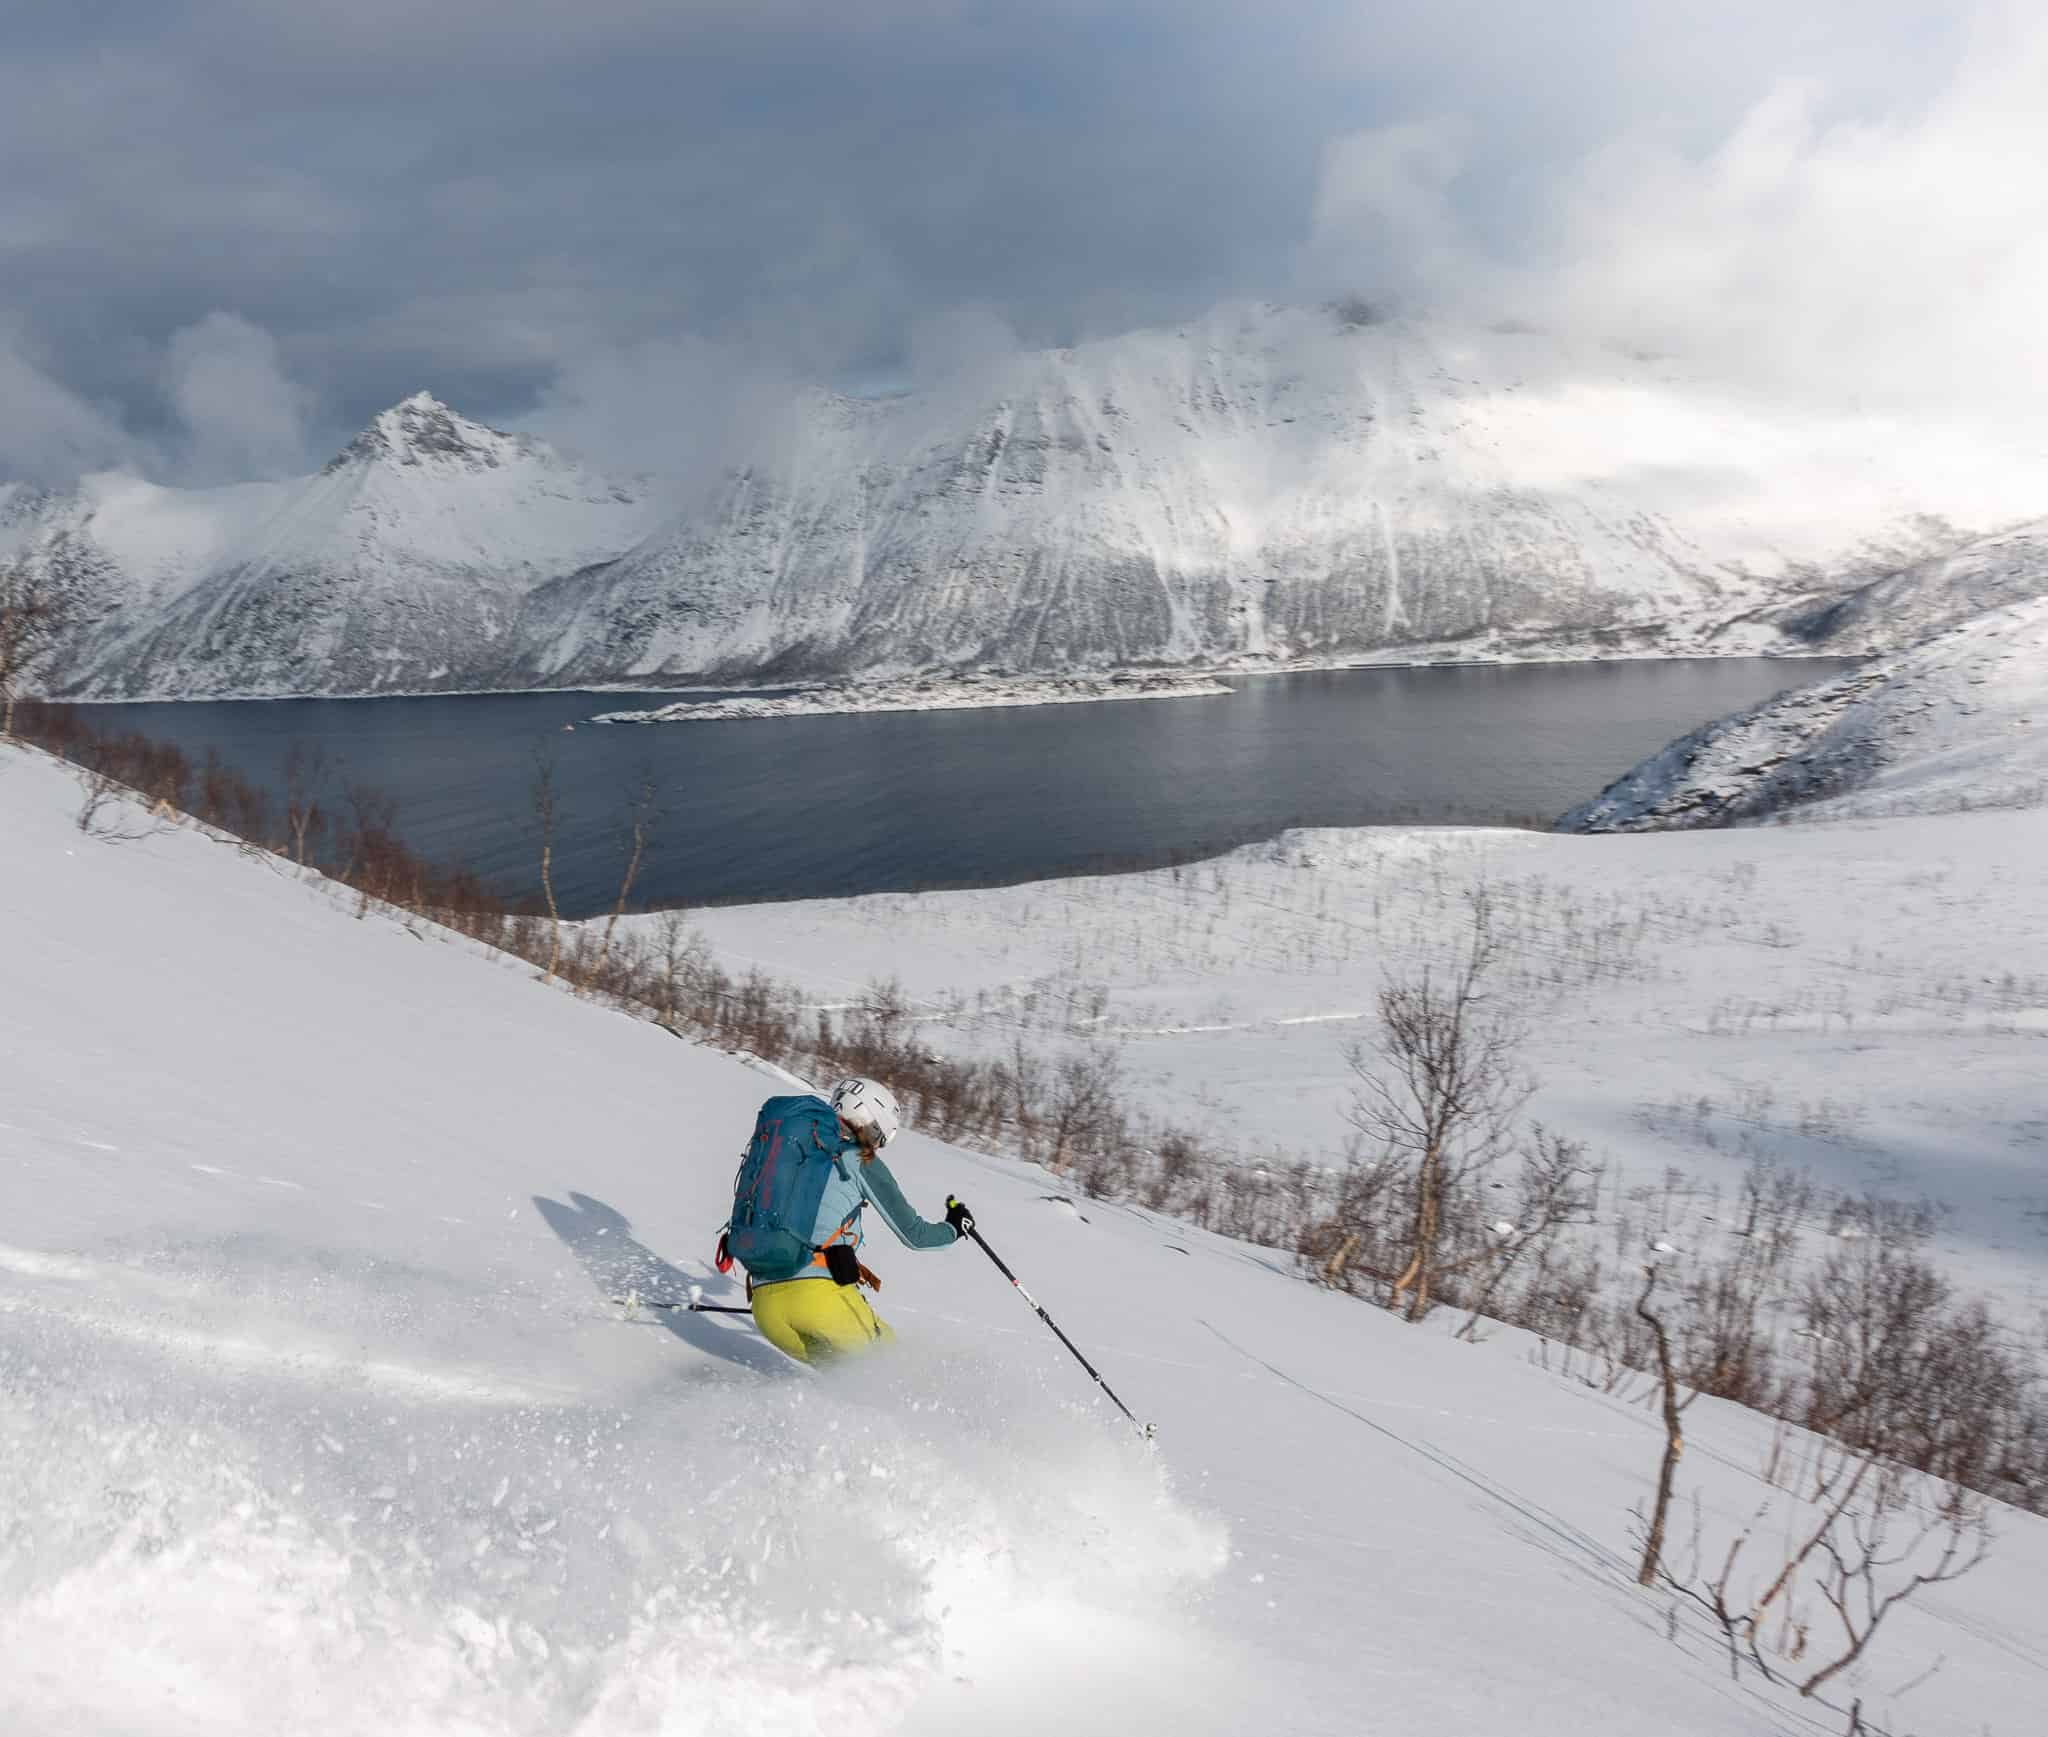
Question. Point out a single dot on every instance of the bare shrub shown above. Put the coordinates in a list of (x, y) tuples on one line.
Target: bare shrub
[(1555, 1189), (1175, 1154), (1441, 1085), (1869, 1310), (32, 616), (1354, 1240), (1728, 1347), (1872, 1536), (1082, 1112), (1901, 1367), (101, 812), (1023, 1075), (679, 970)]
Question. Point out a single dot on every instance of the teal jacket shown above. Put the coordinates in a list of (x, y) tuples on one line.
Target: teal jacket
[(858, 1182)]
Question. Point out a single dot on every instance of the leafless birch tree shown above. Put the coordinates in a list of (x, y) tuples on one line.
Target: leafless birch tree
[(1441, 1084), (1674, 1434), (542, 793), (641, 814)]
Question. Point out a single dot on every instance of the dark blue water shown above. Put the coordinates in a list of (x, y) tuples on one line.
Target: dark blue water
[(804, 807)]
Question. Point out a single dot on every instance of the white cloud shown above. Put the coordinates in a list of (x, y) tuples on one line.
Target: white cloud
[(685, 408), (1383, 217), (1897, 264), (243, 418), (48, 432), (953, 341)]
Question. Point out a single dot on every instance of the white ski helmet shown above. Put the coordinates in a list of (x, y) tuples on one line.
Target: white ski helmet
[(869, 1108)]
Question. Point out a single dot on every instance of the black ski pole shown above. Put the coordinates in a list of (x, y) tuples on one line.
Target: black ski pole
[(1144, 1429), (693, 1307)]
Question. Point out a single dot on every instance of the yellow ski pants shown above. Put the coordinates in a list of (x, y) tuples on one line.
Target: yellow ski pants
[(814, 1320)]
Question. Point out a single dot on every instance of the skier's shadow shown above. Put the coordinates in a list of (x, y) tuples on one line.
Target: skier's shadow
[(601, 1239)]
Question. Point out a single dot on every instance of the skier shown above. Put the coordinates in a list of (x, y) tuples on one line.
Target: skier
[(809, 1173)]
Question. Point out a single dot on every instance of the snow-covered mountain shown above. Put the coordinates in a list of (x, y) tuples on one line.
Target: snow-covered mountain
[(1959, 721), (1267, 485), (401, 565), (1263, 486)]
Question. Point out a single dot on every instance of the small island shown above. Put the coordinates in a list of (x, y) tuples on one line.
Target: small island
[(932, 694)]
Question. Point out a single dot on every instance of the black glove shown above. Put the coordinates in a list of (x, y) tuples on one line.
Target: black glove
[(959, 1217)]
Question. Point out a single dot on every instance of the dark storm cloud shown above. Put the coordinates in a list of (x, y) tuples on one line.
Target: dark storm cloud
[(360, 200)]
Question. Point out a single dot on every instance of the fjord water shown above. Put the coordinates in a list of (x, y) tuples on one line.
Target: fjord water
[(813, 807)]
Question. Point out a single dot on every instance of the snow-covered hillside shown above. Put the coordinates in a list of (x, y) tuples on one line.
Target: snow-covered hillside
[(316, 1417), (1261, 487), (1960, 721), (401, 566), (1990, 573), (119, 546)]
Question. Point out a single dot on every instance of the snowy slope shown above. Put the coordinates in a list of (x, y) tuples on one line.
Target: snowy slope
[(400, 566), (2011, 567), (1960, 721), (316, 1418), (1270, 483)]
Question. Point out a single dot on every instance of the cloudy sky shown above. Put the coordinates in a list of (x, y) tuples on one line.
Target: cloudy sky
[(232, 229)]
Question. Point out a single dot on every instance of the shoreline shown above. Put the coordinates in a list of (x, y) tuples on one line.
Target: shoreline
[(1218, 673)]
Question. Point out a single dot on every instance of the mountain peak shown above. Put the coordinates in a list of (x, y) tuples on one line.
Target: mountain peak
[(421, 430)]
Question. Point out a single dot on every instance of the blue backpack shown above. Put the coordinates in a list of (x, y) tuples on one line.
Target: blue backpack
[(781, 1181)]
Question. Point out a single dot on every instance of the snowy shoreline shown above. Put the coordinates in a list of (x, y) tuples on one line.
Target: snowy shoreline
[(931, 694), (1451, 654)]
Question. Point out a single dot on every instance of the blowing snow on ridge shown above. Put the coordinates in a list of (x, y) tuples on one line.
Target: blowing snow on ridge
[(1264, 486)]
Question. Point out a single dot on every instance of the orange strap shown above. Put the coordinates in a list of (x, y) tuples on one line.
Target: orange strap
[(867, 1274)]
